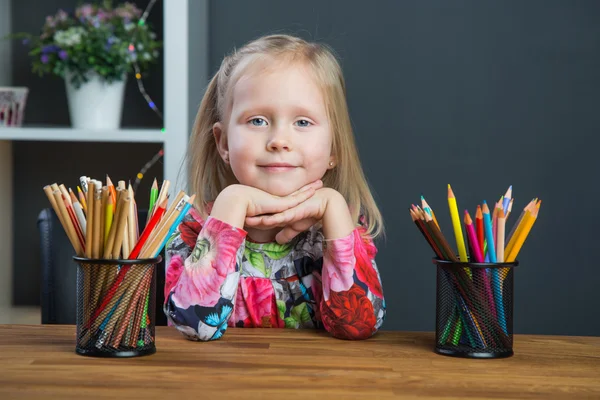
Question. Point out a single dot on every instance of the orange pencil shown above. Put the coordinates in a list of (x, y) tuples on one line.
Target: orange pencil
[(112, 191)]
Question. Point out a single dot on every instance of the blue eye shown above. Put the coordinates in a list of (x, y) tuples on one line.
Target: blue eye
[(258, 122), (303, 123)]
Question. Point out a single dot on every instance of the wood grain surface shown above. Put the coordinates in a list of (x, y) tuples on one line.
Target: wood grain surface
[(39, 361)]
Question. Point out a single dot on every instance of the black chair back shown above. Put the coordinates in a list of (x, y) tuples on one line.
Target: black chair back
[(59, 273)]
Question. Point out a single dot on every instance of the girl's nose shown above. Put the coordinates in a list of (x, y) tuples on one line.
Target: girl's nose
[(279, 141)]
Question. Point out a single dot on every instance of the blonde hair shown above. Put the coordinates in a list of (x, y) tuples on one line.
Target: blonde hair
[(209, 174)]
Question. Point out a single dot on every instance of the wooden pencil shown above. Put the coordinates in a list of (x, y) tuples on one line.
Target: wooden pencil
[(82, 199), (161, 232), (500, 236), (108, 248), (112, 191), (420, 214), (165, 219), (458, 235), (103, 205), (479, 227), (518, 225), (440, 238), (68, 223), (73, 217), (425, 234), (65, 193), (49, 193), (80, 215), (427, 208), (90, 218), (131, 221), (97, 223), (522, 235), (164, 189), (121, 226)]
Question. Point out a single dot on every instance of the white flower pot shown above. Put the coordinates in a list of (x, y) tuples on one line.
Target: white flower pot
[(95, 104)]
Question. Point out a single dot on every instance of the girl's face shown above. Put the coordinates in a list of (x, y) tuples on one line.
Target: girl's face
[(277, 136)]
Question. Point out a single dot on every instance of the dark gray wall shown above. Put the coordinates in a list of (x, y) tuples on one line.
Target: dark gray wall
[(40, 163), (477, 94)]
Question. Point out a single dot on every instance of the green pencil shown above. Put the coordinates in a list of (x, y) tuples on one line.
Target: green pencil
[(153, 198)]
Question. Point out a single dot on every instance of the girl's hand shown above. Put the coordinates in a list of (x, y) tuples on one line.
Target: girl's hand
[(236, 202), (261, 202), (295, 219)]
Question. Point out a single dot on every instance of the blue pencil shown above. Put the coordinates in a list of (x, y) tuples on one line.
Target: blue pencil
[(506, 200), (184, 211), (487, 222)]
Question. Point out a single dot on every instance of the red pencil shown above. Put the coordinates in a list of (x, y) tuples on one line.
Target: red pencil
[(156, 217), (478, 252), (479, 227), (75, 222), (134, 253)]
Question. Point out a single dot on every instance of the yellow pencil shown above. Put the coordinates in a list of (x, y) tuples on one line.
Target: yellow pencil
[(522, 236), (458, 235), (108, 212), (514, 234)]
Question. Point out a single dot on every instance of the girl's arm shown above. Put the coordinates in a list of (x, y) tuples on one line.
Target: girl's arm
[(201, 287), (352, 306), (202, 276)]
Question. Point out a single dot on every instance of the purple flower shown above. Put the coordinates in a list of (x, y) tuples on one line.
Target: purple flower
[(50, 22), (63, 54), (61, 15), (103, 15), (25, 41), (45, 58), (84, 11), (51, 48)]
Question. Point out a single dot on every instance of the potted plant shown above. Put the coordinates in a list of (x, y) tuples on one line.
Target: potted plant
[(94, 48)]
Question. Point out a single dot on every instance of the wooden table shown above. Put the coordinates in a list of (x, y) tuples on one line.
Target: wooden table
[(39, 361)]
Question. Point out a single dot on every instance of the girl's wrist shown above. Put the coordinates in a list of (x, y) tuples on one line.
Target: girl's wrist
[(337, 220), (230, 206)]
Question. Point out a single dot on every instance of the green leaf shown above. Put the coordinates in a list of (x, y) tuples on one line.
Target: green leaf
[(290, 322), (202, 247), (300, 313), (281, 307), (276, 251), (256, 260)]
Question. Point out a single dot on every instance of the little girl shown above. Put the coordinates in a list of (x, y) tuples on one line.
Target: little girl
[(281, 235)]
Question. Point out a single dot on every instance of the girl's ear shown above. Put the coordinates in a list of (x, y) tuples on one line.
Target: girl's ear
[(221, 141), (332, 162)]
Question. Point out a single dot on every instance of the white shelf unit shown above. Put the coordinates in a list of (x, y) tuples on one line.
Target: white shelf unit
[(40, 134), (185, 46)]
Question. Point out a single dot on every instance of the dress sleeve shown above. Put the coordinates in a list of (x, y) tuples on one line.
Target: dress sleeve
[(202, 276), (352, 306)]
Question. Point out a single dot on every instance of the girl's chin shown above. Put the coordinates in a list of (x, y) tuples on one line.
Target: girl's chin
[(277, 188)]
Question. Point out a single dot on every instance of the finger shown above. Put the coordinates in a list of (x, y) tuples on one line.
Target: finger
[(276, 204), (291, 231), (259, 222), (315, 185)]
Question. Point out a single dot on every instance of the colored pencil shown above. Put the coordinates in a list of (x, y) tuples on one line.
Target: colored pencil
[(458, 235)]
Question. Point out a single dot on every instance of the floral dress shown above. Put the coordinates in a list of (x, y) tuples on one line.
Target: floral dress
[(216, 277)]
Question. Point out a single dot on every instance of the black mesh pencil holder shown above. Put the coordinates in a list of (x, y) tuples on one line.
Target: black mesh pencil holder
[(116, 303), (474, 309)]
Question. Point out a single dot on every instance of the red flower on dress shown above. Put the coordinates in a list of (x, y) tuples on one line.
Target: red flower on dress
[(189, 232), (349, 314), (365, 251)]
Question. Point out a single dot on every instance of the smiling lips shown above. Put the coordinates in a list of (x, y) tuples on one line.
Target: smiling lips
[(278, 167)]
